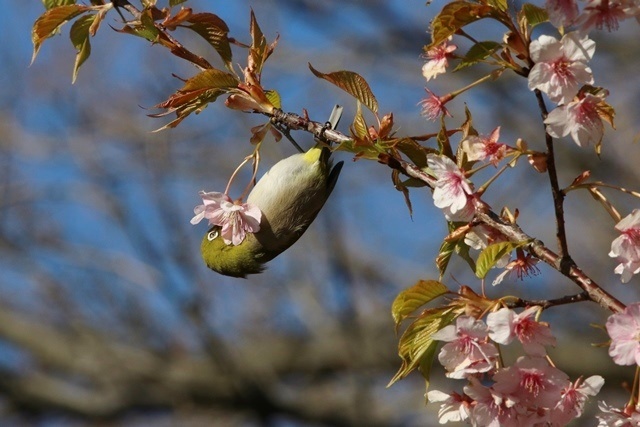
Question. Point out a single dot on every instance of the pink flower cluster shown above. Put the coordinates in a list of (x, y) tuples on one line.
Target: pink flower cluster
[(529, 392), (453, 191), (624, 330), (433, 106), (479, 147), (626, 247), (235, 220), (597, 14), (561, 71), (438, 60)]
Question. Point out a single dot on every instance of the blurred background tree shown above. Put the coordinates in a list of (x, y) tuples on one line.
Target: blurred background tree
[(107, 312)]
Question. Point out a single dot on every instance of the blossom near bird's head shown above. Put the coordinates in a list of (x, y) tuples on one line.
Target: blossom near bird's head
[(234, 219)]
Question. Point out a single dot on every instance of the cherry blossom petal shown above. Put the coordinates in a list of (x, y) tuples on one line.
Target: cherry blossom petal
[(561, 66), (580, 119), (626, 247), (562, 13), (624, 329), (452, 188), (235, 220), (438, 60)]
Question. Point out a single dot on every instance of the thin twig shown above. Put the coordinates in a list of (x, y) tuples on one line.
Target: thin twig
[(556, 192), (568, 299)]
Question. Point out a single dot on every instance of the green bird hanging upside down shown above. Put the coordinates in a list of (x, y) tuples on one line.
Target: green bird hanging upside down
[(289, 197)]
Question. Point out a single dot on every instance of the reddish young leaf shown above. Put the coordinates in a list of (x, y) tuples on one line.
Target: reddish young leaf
[(196, 94), (214, 30), (454, 16), (352, 83), (50, 4)]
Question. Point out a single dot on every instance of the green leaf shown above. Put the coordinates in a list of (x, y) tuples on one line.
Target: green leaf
[(414, 151), (214, 30), (451, 246), (444, 144), (462, 250), (50, 4), (416, 296), (492, 253), (49, 22), (426, 363), (145, 29), (534, 15), (399, 185), (414, 183), (175, 2), (467, 126), (359, 125), (79, 35), (274, 98), (416, 347), (352, 83), (477, 53), (454, 16), (444, 255), (501, 5)]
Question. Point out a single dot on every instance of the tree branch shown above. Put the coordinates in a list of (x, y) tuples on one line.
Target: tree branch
[(556, 192), (560, 262)]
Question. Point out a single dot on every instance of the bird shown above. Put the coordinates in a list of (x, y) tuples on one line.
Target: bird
[(290, 195)]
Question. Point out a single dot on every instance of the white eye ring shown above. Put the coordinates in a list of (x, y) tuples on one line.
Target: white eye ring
[(212, 235)]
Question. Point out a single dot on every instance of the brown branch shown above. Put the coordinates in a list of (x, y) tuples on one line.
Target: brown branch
[(319, 130), (565, 265), (164, 37), (514, 233), (557, 193), (568, 299)]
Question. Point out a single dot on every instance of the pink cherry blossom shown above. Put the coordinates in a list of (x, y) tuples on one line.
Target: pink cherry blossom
[(234, 219), (613, 417), (438, 60), (211, 201), (454, 407), (531, 381), (561, 66), (505, 325), (602, 14), (562, 13), (626, 247), (433, 105), (624, 330), (485, 147), (467, 351), (573, 399), (578, 118), (491, 408), (523, 266), (453, 190)]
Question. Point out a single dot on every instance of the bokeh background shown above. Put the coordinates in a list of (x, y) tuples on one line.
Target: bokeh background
[(109, 317)]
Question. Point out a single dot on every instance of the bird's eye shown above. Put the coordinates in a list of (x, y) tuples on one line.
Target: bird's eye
[(212, 235)]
